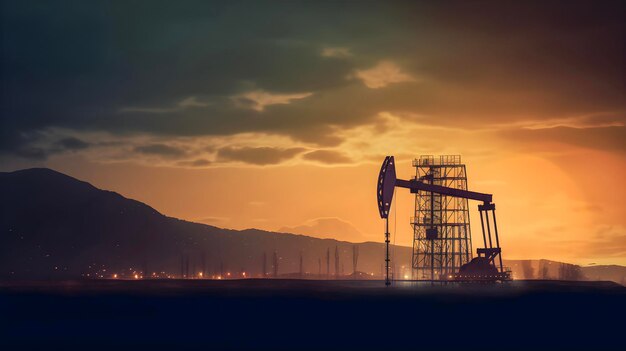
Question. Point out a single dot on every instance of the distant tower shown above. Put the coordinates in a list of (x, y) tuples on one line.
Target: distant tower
[(319, 267), (441, 226), (203, 265), (328, 263), (355, 258), (301, 266), (264, 265), (182, 266), (336, 262), (275, 264), (186, 266)]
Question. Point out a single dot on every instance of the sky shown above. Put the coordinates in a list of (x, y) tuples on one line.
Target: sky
[(277, 115)]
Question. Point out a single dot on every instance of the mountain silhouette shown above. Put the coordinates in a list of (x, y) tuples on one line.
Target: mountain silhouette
[(54, 226)]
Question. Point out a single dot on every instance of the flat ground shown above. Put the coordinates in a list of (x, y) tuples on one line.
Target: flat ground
[(320, 315)]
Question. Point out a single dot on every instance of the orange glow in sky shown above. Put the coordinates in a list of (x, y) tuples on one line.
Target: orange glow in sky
[(564, 203), (277, 116)]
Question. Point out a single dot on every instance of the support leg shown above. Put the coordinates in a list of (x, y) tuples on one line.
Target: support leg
[(482, 226), (387, 280), (495, 229)]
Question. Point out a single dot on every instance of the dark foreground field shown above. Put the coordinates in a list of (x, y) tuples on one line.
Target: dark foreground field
[(320, 315)]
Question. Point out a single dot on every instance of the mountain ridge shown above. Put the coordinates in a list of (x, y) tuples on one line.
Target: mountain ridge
[(54, 226)]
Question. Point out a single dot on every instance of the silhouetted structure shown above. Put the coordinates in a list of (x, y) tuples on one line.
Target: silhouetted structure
[(301, 266), (182, 266), (528, 270), (203, 273), (328, 263), (264, 265), (442, 237), (435, 226), (355, 258), (336, 262), (569, 272), (275, 267), (186, 266), (543, 270)]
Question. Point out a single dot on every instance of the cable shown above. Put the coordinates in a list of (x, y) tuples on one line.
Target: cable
[(395, 225)]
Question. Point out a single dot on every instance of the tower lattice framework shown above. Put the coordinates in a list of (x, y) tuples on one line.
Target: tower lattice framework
[(441, 225)]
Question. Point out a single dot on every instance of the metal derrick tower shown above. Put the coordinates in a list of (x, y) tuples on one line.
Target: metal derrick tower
[(442, 239), (441, 227)]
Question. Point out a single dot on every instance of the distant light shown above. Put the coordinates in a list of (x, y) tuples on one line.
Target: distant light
[(406, 276), (115, 276), (200, 274), (136, 276), (228, 274), (244, 274)]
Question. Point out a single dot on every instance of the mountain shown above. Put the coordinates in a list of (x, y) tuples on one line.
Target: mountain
[(606, 272), (547, 269), (53, 226)]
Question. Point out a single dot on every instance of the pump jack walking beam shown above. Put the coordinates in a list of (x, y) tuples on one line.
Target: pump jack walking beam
[(416, 185)]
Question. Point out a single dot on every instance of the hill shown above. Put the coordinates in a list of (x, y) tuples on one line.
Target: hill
[(53, 226), (606, 272)]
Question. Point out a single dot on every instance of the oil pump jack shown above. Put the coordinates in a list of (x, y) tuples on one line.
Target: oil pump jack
[(484, 267)]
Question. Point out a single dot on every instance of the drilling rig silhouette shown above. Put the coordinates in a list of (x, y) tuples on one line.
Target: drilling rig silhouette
[(432, 206)]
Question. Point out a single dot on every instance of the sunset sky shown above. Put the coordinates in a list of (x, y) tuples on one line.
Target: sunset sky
[(277, 115)]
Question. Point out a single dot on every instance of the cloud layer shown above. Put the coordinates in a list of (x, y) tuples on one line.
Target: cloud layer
[(224, 69), (182, 105)]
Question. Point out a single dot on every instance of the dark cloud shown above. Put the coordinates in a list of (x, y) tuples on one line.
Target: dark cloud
[(200, 163), (72, 143), (195, 163), (93, 66), (327, 156), (36, 146), (32, 153), (257, 155), (160, 150)]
